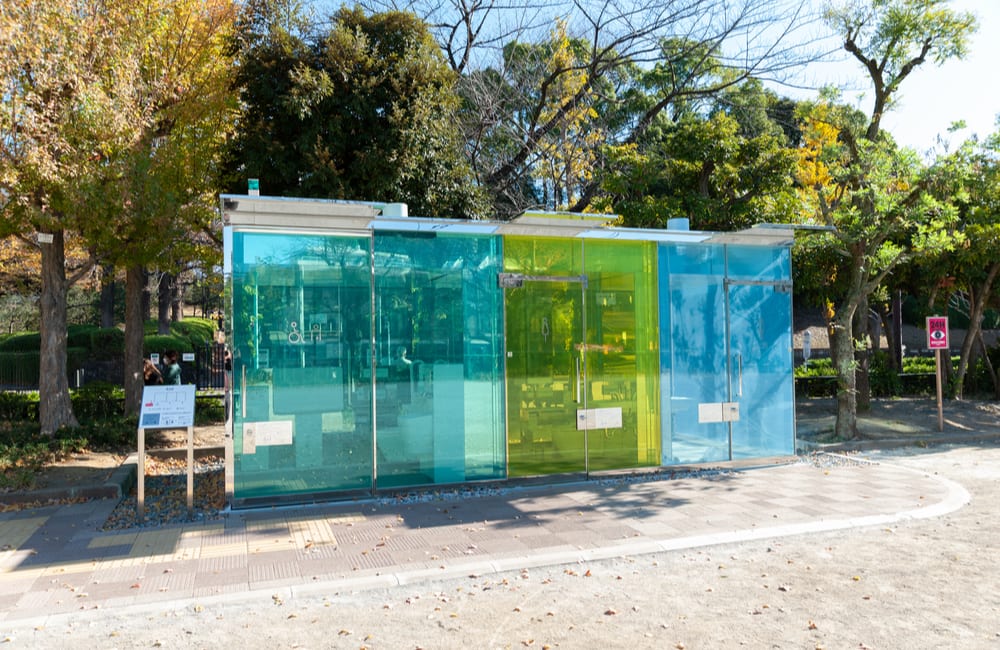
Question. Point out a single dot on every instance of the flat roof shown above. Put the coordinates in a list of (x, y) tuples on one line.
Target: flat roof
[(292, 213)]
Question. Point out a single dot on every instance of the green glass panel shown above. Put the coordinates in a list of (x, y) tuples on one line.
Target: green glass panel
[(544, 324), (438, 352), (622, 359), (301, 322)]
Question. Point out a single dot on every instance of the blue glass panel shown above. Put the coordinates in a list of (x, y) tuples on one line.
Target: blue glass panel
[(758, 263), (438, 358), (693, 319), (695, 259), (763, 384), (301, 317)]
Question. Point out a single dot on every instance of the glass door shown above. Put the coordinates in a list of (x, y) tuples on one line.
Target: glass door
[(546, 374), (760, 356)]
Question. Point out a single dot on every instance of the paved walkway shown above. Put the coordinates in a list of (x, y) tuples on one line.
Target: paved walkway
[(54, 561)]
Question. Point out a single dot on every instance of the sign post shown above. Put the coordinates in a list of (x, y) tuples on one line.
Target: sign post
[(166, 407), (937, 340)]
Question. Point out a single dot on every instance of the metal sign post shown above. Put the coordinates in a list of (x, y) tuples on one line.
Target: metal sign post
[(165, 407), (937, 340)]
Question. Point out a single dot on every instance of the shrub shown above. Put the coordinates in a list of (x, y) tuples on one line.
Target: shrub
[(197, 330), (158, 343), (107, 343), (97, 401), (884, 381), (79, 335), (18, 406), (25, 342)]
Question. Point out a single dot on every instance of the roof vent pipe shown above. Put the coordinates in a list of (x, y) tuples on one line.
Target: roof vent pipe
[(394, 210)]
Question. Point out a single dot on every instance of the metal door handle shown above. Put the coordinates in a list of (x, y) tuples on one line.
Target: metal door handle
[(739, 371), (243, 391), (577, 380)]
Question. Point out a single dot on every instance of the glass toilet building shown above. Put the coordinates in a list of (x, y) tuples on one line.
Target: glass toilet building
[(376, 351)]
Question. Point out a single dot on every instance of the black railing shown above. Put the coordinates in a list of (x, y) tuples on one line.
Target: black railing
[(206, 370)]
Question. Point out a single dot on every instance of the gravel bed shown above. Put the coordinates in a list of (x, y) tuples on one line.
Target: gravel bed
[(166, 495), (844, 459)]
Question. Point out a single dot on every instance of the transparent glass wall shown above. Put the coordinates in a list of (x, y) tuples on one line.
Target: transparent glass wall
[(726, 352), (438, 359), (301, 326), (693, 351), (544, 326), (582, 355), (760, 341), (622, 352)]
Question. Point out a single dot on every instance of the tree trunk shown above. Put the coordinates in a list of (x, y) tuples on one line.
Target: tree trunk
[(896, 332), (55, 409), (977, 307), (164, 296), (146, 304), (842, 353), (989, 366), (108, 296), (176, 301), (135, 281), (860, 342)]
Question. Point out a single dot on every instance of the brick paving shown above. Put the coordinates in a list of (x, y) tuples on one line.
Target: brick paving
[(54, 560)]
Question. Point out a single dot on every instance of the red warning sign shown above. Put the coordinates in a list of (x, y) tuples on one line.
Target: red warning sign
[(937, 332)]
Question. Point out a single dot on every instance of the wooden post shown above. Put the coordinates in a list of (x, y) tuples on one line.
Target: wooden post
[(140, 506), (190, 472), (937, 356)]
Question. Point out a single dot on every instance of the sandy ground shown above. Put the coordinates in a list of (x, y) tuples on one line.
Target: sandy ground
[(929, 583)]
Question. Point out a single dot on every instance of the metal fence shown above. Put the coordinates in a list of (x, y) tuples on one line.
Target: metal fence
[(206, 370)]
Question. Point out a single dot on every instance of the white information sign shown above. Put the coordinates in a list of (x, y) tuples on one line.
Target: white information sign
[(603, 418), (167, 407)]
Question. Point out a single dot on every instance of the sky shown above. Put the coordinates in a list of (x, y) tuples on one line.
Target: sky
[(932, 97)]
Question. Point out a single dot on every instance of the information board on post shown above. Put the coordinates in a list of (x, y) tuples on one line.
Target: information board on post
[(167, 407)]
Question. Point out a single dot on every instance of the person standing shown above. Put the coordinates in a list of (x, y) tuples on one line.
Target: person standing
[(171, 368), (150, 373)]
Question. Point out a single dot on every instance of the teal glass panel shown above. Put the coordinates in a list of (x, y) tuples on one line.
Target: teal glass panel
[(302, 403), (763, 383), (622, 353), (693, 362), (438, 359)]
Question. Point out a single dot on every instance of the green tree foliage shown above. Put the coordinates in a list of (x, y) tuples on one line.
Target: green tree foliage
[(970, 178), (632, 64), (59, 76), (878, 198), (99, 131), (367, 110), (725, 171)]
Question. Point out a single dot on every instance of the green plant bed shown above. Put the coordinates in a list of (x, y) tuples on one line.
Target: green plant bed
[(24, 452)]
